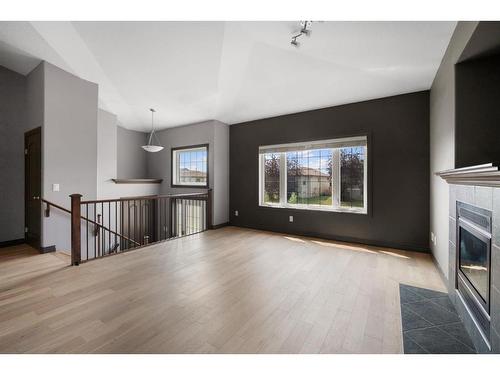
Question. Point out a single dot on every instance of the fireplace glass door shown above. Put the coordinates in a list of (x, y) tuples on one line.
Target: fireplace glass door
[(474, 260)]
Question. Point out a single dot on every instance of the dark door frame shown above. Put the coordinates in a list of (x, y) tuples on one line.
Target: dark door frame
[(27, 196)]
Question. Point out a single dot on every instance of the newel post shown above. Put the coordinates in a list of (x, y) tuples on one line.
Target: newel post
[(75, 229), (209, 214)]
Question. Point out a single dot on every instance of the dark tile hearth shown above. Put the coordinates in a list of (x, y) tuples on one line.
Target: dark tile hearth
[(431, 324)]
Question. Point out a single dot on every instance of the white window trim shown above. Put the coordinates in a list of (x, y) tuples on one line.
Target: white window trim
[(336, 207), (175, 165)]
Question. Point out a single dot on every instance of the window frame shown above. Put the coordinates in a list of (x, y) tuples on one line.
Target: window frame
[(173, 162), (336, 184)]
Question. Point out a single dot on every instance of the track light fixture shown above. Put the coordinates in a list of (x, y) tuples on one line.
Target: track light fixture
[(305, 29)]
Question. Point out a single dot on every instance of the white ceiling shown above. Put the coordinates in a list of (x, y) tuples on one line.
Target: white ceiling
[(230, 71)]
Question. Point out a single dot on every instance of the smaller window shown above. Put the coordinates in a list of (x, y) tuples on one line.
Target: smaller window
[(190, 166)]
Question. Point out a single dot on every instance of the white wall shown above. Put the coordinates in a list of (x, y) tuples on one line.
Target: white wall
[(216, 134), (442, 140)]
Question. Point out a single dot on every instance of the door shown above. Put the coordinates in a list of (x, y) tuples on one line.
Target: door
[(32, 186)]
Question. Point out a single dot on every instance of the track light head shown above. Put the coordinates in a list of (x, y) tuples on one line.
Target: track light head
[(305, 29)]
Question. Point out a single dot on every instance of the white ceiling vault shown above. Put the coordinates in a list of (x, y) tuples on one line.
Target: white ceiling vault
[(230, 71)]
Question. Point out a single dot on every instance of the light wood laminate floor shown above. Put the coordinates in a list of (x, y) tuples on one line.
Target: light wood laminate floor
[(230, 290)]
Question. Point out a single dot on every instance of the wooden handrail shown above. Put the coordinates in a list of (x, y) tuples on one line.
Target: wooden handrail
[(47, 212), (151, 216), (151, 197), (49, 203)]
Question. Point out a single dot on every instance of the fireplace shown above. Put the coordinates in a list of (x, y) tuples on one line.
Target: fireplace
[(473, 262)]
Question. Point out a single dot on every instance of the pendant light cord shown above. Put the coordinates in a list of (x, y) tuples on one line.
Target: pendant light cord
[(153, 129)]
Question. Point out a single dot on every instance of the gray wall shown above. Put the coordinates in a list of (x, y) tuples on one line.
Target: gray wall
[(69, 147), (35, 97), (107, 164), (216, 135), (442, 140), (398, 180), (221, 173), (13, 124), (132, 161)]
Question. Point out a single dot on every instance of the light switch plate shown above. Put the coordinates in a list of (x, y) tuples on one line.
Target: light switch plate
[(236, 213), (55, 187), (290, 218)]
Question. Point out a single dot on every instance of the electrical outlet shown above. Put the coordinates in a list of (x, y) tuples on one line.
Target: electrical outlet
[(236, 213), (290, 219)]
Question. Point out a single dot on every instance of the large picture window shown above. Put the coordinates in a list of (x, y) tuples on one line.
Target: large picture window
[(321, 175), (190, 166)]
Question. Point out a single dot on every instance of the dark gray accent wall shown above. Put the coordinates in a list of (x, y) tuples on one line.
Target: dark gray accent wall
[(131, 158), (13, 124), (398, 181), (485, 41), (477, 111)]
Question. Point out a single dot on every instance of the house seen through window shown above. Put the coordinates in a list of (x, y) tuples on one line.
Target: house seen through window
[(326, 175), (190, 166)]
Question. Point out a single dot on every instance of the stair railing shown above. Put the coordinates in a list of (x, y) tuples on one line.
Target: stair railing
[(113, 226), (97, 226)]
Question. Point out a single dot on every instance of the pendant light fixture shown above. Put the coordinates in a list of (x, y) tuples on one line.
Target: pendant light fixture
[(151, 147)]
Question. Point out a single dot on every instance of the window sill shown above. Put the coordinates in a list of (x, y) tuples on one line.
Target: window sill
[(361, 211)]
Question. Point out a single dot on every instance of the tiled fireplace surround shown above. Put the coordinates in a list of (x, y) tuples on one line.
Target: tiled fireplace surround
[(489, 198)]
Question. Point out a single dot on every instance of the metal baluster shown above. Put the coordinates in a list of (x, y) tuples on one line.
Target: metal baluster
[(148, 216), (128, 223), (190, 218), (158, 215), (146, 237), (98, 236), (116, 223), (184, 217), (161, 202), (172, 217), (87, 216), (103, 236), (95, 232), (122, 243), (141, 234), (135, 222), (109, 226), (165, 218), (169, 218)]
